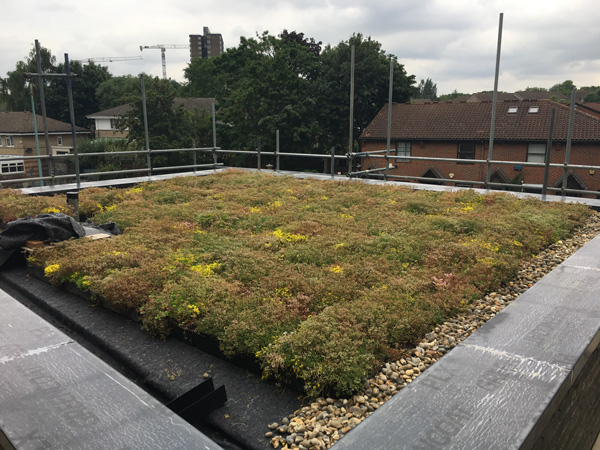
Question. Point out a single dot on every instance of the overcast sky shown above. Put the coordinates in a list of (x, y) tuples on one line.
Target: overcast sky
[(453, 42)]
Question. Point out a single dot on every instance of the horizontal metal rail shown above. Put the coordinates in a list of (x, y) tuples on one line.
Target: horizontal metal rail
[(480, 161), (374, 173)]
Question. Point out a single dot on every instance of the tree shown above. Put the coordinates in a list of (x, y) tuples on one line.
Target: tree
[(593, 94), (453, 95), (371, 87), (564, 88), (263, 85), (113, 91), (84, 87), (536, 89), (310, 44), (15, 94), (168, 126), (427, 89), (287, 83), (15, 87)]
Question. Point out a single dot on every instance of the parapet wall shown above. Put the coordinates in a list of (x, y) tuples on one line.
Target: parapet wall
[(527, 379)]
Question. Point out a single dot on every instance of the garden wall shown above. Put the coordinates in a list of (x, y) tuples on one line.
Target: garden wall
[(526, 380)]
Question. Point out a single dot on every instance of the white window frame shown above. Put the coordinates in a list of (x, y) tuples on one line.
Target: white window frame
[(10, 167), (1, 145), (403, 149), (536, 152), (59, 141), (10, 141)]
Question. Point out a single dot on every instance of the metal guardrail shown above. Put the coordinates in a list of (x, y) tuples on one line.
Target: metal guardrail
[(378, 173)]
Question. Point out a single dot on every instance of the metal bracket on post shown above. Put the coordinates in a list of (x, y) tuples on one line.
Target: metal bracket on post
[(198, 401)]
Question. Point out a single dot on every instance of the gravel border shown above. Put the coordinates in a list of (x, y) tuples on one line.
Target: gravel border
[(326, 420)]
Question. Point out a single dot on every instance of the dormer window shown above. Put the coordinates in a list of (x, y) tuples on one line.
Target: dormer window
[(533, 109), (513, 109)]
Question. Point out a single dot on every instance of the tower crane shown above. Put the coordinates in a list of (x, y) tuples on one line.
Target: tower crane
[(163, 48), (109, 59)]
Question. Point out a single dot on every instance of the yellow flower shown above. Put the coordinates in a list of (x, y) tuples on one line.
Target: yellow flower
[(254, 210), (336, 269), (51, 210), (206, 270), (194, 309), (345, 216), (51, 269)]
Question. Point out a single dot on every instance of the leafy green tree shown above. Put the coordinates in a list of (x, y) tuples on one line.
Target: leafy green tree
[(263, 85), (427, 89), (15, 87), (204, 78), (113, 91), (310, 44), (168, 126), (371, 87), (452, 96), (84, 86), (536, 89), (593, 94), (565, 88)]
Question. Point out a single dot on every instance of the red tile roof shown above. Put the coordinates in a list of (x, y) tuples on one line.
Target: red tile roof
[(471, 121), (22, 122)]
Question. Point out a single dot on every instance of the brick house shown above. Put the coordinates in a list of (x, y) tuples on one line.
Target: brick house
[(106, 122), (17, 138), (462, 130)]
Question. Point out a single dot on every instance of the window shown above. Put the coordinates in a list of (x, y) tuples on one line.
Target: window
[(114, 123), (12, 166), (0, 141), (59, 140), (10, 142), (466, 150), (403, 149), (536, 153), (533, 109), (513, 109)]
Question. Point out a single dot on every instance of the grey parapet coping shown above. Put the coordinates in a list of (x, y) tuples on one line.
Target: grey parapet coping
[(499, 388), (55, 394)]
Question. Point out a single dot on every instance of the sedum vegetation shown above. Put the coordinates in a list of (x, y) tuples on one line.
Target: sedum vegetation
[(319, 281)]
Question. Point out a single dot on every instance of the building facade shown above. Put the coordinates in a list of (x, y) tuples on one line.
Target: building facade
[(206, 45), (18, 139), (461, 131)]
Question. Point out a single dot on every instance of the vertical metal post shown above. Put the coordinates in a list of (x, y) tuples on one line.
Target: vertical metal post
[(351, 130), (547, 155), (146, 136), (277, 151), (332, 162), (258, 155), (569, 139), (72, 114), (194, 160), (389, 122), (43, 104), (214, 134), (494, 101), (35, 131)]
